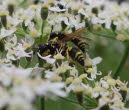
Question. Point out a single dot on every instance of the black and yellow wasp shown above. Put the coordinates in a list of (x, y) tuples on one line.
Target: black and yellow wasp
[(57, 41)]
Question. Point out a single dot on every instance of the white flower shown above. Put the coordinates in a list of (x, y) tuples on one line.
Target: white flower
[(52, 76), (48, 59), (104, 84), (93, 72), (83, 12), (28, 42), (74, 22), (3, 10), (59, 55), (47, 88), (16, 51), (4, 97), (13, 21), (57, 9), (62, 68), (5, 33), (19, 103), (27, 16), (20, 51), (96, 60), (25, 91), (65, 19), (49, 74)]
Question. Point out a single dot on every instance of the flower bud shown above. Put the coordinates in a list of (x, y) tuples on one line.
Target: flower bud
[(69, 80), (121, 37), (95, 10), (88, 91), (83, 76), (4, 20), (1, 46), (44, 12), (24, 27), (111, 82), (105, 107), (61, 7), (63, 25), (34, 33), (59, 57), (88, 62), (82, 17), (73, 29), (76, 81), (91, 70), (88, 24), (56, 78), (69, 10), (51, 2), (113, 26), (123, 94), (75, 12), (11, 9)]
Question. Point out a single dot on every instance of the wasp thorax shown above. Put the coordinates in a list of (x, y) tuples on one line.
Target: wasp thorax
[(53, 35)]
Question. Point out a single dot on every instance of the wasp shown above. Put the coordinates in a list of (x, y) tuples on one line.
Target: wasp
[(68, 51), (58, 41), (74, 37)]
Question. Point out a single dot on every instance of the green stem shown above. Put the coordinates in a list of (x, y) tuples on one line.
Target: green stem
[(74, 102), (69, 100), (41, 103), (42, 28), (122, 62), (103, 35)]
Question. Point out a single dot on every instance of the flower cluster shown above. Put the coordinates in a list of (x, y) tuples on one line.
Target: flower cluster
[(20, 87), (107, 92), (25, 75)]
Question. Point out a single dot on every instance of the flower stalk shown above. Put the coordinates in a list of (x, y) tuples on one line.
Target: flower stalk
[(42, 103), (44, 15), (42, 28), (122, 62)]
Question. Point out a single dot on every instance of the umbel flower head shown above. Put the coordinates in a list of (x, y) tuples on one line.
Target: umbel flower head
[(27, 74)]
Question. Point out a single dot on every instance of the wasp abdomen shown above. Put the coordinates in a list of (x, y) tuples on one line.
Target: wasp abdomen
[(80, 44), (76, 55)]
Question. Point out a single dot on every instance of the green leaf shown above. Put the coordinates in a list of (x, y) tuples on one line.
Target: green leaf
[(91, 83), (108, 33), (34, 61), (20, 32), (89, 102), (127, 104), (23, 62)]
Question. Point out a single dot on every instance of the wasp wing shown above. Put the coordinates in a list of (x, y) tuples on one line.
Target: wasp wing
[(73, 35)]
